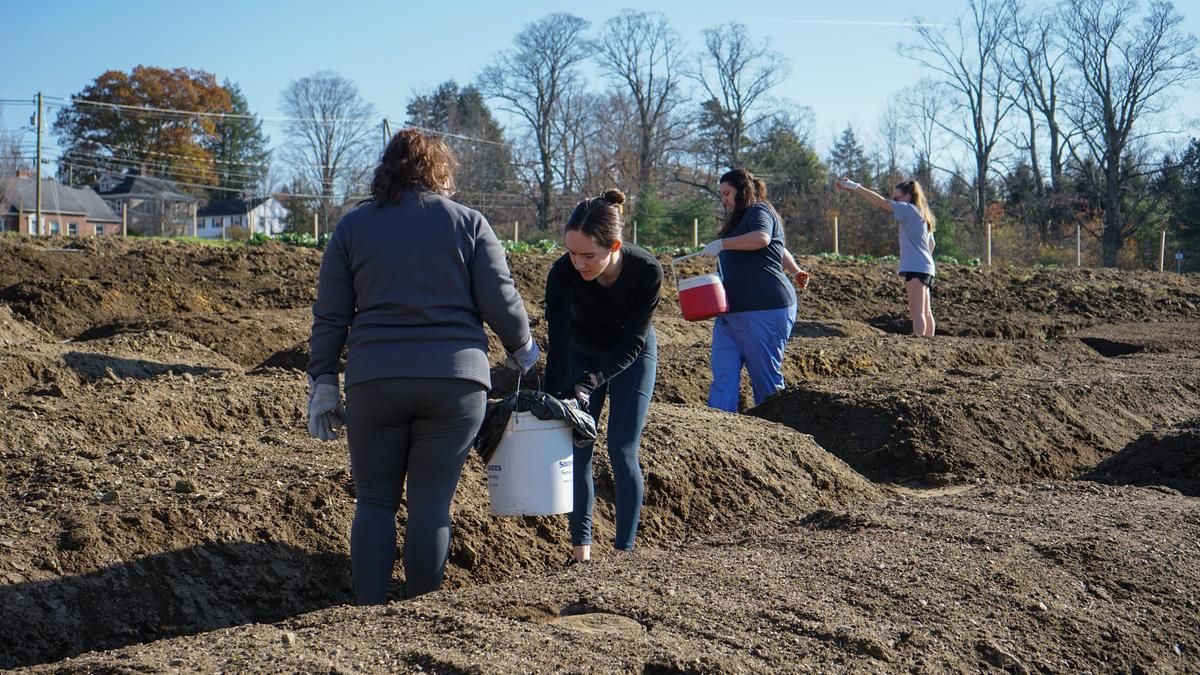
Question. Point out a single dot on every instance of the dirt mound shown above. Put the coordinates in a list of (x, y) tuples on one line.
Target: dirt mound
[(1168, 457), (1026, 579), (16, 332), (247, 338), (988, 413), (112, 280), (187, 496), (999, 302), (53, 369)]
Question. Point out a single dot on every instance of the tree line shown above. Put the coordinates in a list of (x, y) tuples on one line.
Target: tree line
[(1033, 120)]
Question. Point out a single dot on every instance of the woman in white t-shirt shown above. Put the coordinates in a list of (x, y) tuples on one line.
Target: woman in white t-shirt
[(916, 223)]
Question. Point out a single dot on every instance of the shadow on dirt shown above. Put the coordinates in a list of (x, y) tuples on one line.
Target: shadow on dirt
[(1167, 457), (183, 592), (94, 367), (1111, 348)]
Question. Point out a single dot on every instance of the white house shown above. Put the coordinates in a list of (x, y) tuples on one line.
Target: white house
[(263, 215)]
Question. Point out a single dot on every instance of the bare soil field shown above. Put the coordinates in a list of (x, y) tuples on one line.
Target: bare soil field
[(1018, 494)]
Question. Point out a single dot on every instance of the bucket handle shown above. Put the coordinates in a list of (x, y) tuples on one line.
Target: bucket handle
[(520, 375), (675, 278)]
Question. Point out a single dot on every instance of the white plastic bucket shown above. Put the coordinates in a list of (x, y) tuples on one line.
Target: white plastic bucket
[(532, 470)]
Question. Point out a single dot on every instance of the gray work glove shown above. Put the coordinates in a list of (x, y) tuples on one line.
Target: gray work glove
[(325, 411), (524, 358)]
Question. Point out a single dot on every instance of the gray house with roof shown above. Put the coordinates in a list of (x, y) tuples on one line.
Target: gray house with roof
[(155, 206), (67, 211)]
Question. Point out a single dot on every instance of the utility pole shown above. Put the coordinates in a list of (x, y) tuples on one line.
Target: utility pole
[(38, 173)]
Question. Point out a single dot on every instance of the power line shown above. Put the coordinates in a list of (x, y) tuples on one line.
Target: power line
[(175, 113), (197, 185), (199, 113)]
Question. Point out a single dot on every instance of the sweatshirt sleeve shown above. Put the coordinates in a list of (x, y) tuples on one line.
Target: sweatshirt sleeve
[(495, 294), (332, 312), (637, 324), (558, 324)]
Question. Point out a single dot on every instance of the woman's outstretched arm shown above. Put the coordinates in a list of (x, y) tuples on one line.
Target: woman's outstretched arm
[(868, 195)]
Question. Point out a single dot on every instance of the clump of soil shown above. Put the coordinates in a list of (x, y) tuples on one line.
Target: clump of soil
[(1168, 457)]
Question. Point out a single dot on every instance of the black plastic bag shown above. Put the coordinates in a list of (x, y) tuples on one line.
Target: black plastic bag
[(544, 407)]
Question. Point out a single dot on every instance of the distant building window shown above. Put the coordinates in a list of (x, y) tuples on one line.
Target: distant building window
[(73, 229), (99, 230), (55, 228)]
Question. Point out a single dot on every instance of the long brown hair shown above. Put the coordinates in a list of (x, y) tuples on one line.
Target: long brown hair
[(916, 193), (599, 218), (413, 161), (748, 191)]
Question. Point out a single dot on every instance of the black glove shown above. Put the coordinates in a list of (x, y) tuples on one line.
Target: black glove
[(583, 390)]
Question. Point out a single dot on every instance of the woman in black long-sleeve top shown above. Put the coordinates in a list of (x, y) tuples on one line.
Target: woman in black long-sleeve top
[(600, 298)]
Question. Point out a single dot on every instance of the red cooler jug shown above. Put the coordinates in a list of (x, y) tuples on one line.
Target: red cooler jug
[(701, 297)]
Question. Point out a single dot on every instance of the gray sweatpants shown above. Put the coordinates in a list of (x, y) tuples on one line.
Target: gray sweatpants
[(418, 428)]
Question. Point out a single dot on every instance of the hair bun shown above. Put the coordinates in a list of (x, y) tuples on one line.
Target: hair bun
[(613, 196)]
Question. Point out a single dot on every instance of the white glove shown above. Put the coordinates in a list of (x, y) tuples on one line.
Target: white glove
[(847, 184), (325, 411), (524, 358), (713, 248)]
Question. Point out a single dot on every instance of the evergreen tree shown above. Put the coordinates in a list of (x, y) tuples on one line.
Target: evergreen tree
[(485, 160), (240, 149), (849, 159)]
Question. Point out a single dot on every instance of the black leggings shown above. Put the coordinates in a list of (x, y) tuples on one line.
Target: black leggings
[(418, 428)]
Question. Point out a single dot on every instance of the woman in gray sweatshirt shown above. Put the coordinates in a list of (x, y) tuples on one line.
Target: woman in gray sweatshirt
[(405, 284)]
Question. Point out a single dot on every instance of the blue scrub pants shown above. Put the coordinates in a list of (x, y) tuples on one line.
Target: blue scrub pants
[(630, 392), (752, 339)]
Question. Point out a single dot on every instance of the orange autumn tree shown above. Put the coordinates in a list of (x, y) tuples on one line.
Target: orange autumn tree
[(145, 119)]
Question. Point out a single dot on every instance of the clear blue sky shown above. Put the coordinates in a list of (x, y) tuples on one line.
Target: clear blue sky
[(843, 55)]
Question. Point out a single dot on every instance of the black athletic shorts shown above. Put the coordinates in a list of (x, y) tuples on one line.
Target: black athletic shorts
[(926, 279)]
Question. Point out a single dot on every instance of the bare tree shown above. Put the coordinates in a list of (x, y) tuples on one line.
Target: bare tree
[(12, 161), (573, 125), (891, 132), (735, 74), (641, 51), (11, 158), (1125, 70), (530, 80), (1039, 65), (331, 136), (970, 58), (924, 105)]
